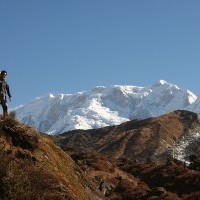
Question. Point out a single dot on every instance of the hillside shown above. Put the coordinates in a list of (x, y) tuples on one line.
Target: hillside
[(153, 138), (138, 159), (141, 181), (32, 167), (105, 106)]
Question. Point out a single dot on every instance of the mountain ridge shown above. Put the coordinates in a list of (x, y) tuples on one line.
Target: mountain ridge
[(105, 106), (152, 138)]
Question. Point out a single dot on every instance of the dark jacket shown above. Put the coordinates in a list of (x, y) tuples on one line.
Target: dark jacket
[(4, 88)]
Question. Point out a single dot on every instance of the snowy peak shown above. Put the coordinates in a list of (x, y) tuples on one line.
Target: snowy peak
[(105, 106), (162, 82), (191, 97), (168, 94)]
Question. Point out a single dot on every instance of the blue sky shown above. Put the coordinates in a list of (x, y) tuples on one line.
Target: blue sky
[(67, 46)]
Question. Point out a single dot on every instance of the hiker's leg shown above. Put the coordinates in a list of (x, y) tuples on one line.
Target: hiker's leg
[(5, 110), (5, 107)]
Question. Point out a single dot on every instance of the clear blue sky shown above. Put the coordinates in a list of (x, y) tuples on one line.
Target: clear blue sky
[(67, 46)]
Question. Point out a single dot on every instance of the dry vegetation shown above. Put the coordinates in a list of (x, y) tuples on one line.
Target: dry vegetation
[(137, 140), (129, 180), (32, 167), (133, 160)]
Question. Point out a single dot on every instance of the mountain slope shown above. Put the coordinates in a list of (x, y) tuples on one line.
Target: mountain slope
[(139, 157), (32, 167), (153, 138), (105, 106)]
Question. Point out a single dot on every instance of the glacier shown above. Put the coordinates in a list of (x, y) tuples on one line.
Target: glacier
[(105, 106)]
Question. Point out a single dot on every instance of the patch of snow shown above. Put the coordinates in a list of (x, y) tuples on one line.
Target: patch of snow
[(179, 151)]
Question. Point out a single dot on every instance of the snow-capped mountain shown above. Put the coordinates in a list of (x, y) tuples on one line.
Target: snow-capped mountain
[(105, 106)]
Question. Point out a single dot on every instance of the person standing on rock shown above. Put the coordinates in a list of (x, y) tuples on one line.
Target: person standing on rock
[(4, 92)]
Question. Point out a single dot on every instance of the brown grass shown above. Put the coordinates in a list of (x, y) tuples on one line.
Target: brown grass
[(32, 167)]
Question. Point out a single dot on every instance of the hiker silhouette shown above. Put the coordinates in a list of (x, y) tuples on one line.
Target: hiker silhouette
[(4, 92)]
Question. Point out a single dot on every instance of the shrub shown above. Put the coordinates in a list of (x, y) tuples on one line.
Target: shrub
[(194, 162)]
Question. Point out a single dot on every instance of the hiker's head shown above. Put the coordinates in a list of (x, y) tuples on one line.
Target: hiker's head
[(3, 73)]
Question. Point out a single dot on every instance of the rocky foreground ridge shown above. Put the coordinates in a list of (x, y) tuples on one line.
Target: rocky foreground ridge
[(32, 167)]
